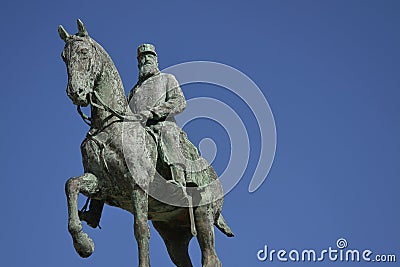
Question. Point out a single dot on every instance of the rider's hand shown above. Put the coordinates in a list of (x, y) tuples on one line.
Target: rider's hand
[(147, 115)]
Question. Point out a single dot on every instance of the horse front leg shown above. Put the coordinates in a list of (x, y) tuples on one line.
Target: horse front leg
[(86, 183), (141, 225)]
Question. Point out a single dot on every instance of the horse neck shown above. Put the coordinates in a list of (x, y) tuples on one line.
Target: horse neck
[(110, 89)]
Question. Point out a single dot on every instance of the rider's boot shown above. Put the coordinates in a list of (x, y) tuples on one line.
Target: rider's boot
[(178, 179), (93, 215), (179, 176)]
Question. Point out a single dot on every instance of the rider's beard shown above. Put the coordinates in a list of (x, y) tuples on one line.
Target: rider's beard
[(147, 70)]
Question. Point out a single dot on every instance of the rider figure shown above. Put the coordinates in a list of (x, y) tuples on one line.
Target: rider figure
[(158, 97)]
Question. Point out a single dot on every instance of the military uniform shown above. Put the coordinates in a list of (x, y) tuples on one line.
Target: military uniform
[(161, 95)]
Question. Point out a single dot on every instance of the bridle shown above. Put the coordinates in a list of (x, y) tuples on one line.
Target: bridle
[(92, 94)]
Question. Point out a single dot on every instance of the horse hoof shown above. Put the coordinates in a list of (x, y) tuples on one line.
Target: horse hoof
[(83, 244)]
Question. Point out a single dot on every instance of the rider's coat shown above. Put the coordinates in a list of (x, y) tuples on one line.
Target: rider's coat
[(162, 95)]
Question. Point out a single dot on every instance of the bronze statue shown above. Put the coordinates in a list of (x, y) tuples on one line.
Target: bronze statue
[(121, 161)]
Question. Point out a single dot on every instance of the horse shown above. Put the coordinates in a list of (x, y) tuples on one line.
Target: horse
[(120, 157)]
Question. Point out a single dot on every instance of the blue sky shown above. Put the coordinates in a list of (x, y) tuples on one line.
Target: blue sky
[(330, 73)]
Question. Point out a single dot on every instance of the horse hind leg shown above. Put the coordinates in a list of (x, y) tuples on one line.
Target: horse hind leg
[(176, 239), (86, 183)]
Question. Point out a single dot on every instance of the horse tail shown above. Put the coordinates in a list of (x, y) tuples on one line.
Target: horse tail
[(223, 226)]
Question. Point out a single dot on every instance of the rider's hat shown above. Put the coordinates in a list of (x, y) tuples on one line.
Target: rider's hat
[(146, 48)]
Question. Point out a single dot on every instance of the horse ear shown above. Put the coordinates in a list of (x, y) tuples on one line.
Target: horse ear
[(63, 33), (81, 29)]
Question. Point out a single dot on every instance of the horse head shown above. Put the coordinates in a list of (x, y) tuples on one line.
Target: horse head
[(81, 58)]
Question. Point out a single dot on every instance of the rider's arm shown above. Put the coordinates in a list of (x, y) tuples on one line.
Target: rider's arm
[(174, 103)]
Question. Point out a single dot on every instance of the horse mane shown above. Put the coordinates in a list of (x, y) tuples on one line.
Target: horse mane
[(102, 54)]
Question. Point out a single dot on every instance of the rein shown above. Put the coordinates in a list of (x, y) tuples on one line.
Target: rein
[(84, 117), (105, 107)]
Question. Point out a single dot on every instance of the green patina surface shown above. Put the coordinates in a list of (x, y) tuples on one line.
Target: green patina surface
[(136, 158)]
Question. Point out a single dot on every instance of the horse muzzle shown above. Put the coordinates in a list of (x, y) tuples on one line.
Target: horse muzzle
[(79, 97)]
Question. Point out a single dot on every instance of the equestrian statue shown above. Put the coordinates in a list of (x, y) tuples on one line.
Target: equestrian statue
[(136, 158)]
